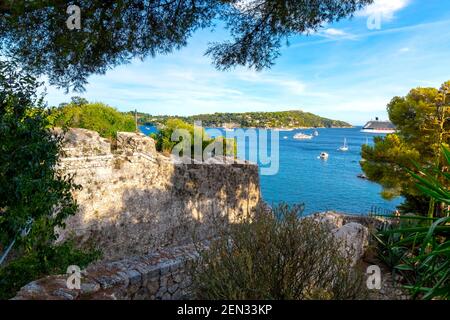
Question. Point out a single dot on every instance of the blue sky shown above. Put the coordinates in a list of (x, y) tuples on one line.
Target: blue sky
[(346, 71)]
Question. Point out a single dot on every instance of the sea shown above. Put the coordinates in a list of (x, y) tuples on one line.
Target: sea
[(320, 185)]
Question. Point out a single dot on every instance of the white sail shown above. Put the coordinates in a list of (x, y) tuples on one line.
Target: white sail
[(344, 147)]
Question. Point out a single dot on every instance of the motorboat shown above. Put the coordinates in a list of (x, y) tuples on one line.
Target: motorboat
[(344, 147), (302, 136), (316, 133), (323, 156)]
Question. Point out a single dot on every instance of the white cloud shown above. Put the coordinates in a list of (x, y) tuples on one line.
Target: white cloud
[(334, 32), (385, 8), (272, 79)]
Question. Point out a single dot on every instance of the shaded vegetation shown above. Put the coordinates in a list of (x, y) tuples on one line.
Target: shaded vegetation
[(417, 247), (276, 256), (35, 196), (35, 265)]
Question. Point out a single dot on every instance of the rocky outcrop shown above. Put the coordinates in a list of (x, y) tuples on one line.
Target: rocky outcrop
[(351, 231), (354, 239), (135, 200)]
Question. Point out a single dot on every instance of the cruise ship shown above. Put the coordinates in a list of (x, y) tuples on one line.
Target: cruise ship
[(377, 126)]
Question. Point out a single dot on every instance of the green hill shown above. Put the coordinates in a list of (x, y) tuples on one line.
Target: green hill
[(280, 119)]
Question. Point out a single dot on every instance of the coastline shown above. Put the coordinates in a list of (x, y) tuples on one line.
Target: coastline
[(285, 129)]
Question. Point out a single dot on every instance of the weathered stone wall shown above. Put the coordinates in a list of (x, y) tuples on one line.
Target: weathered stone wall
[(164, 273), (135, 200), (159, 275)]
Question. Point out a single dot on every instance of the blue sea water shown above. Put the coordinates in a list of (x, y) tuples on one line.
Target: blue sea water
[(321, 185)]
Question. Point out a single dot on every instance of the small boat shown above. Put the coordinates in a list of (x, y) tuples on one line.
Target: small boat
[(302, 136), (323, 156), (285, 137), (344, 147), (362, 176), (316, 133)]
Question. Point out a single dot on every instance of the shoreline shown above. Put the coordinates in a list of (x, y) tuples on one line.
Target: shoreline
[(285, 129)]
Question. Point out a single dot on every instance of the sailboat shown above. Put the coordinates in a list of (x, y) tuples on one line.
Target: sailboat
[(344, 147), (316, 133)]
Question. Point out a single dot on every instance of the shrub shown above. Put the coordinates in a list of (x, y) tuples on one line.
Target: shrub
[(106, 120), (165, 144), (33, 192), (276, 256), (34, 265), (418, 247)]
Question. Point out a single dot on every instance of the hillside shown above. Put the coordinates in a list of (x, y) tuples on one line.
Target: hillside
[(281, 119)]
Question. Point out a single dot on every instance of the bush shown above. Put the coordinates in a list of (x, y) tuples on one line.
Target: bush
[(107, 121), (33, 192), (418, 247), (276, 256), (165, 144), (35, 265)]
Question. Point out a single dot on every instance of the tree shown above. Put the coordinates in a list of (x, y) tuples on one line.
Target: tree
[(422, 125), (33, 193), (165, 144), (114, 32), (79, 101)]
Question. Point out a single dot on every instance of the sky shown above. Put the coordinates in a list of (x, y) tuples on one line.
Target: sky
[(347, 71)]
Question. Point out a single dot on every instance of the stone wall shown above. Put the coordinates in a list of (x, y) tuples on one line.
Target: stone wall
[(135, 200), (159, 275), (164, 274)]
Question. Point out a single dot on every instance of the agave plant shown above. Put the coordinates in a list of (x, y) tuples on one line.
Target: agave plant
[(419, 247)]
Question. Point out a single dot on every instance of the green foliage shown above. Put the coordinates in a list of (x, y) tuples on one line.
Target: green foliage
[(35, 31), (384, 163), (34, 265), (421, 119), (276, 256), (165, 144), (419, 247), (32, 190), (282, 119), (106, 120)]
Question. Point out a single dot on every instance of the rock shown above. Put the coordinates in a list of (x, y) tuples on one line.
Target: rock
[(153, 286), (331, 219), (89, 286), (354, 237), (130, 142), (79, 142)]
